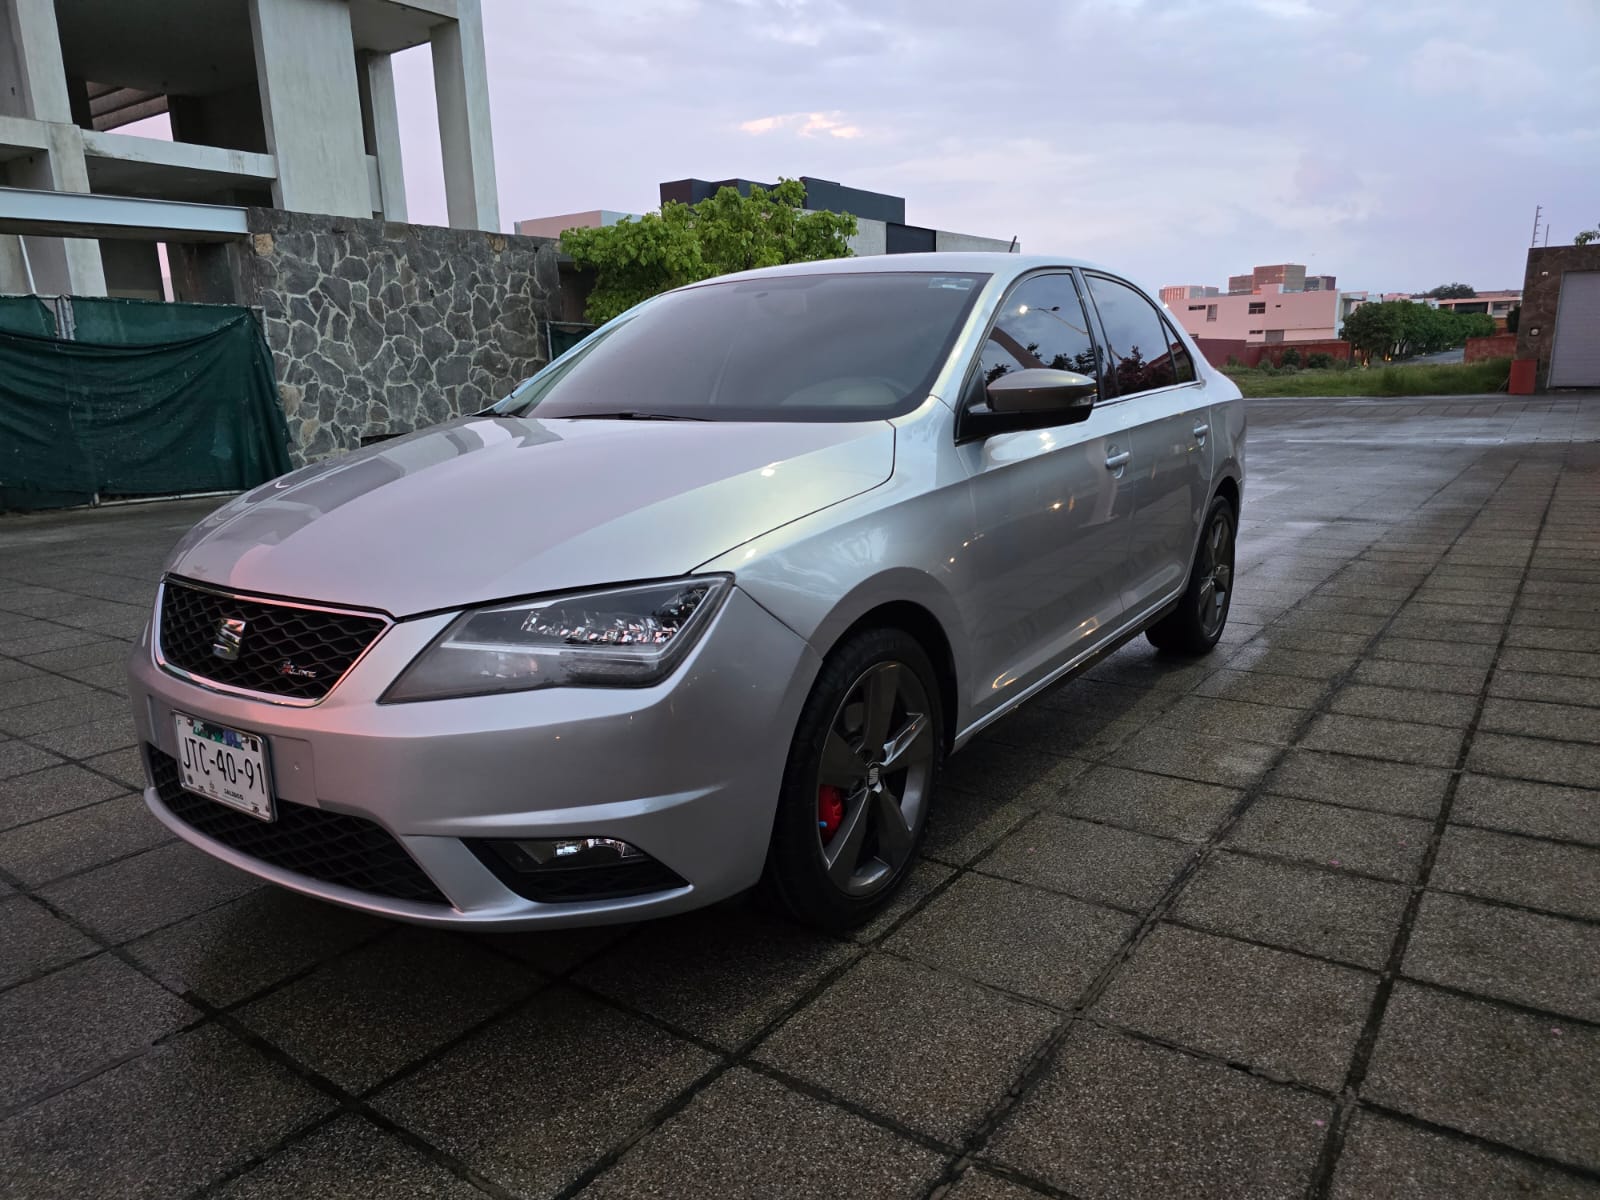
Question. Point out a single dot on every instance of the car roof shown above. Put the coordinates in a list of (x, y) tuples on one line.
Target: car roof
[(1003, 266)]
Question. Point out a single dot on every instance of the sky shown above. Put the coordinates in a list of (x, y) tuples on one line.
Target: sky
[(1397, 144)]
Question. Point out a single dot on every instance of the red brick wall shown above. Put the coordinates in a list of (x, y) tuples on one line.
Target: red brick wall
[(1251, 354), (1218, 350), (1501, 345)]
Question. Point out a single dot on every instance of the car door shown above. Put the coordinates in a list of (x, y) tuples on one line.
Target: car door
[(1051, 507), (1165, 411)]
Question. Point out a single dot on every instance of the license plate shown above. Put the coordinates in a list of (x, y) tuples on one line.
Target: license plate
[(226, 765)]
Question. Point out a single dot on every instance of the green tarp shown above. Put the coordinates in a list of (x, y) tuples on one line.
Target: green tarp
[(115, 322), (26, 314), (133, 413)]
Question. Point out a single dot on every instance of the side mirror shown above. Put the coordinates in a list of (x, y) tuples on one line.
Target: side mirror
[(1061, 394), (1036, 398)]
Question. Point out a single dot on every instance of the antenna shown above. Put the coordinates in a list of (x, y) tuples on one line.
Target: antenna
[(1537, 210)]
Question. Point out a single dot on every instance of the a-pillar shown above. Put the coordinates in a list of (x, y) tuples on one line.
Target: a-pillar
[(461, 87)]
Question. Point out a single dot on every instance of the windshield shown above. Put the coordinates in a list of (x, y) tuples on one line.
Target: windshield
[(825, 347)]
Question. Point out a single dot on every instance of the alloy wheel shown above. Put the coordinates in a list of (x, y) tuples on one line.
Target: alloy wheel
[(1216, 573), (873, 778)]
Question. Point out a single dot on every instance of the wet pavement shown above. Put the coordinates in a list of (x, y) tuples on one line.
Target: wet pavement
[(1318, 915)]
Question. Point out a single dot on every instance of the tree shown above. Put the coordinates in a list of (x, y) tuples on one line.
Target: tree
[(1585, 236), (683, 243), (1452, 291), (1400, 328), (1513, 318), (1376, 328)]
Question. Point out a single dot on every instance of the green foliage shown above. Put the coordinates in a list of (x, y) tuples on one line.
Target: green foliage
[(1233, 361), (1400, 328), (1585, 236), (1289, 358), (1452, 291), (634, 260), (1429, 379), (1375, 328), (1513, 318), (1319, 361)]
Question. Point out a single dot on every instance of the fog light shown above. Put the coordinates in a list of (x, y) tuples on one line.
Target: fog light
[(568, 852), (566, 870)]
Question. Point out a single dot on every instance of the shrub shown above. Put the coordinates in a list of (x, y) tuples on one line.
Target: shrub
[(1319, 361), (1267, 367), (1289, 358), (1233, 361)]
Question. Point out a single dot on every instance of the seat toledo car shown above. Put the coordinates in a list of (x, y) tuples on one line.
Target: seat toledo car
[(705, 604)]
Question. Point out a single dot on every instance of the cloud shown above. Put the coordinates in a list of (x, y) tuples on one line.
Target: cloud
[(1442, 67), (803, 124), (1394, 144)]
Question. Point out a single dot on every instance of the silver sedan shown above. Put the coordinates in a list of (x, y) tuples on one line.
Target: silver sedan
[(703, 605)]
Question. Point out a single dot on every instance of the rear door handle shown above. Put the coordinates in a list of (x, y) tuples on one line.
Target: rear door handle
[(1200, 432), (1117, 461)]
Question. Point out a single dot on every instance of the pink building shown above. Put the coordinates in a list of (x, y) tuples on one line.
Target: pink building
[(1268, 315)]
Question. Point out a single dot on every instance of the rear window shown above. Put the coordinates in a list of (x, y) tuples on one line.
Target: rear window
[(825, 347)]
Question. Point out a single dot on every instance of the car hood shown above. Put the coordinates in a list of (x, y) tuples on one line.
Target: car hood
[(486, 508)]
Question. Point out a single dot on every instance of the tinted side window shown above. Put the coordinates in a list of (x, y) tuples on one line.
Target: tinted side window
[(1137, 344), (1182, 363), (1041, 324)]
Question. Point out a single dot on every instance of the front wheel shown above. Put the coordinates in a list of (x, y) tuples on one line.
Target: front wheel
[(859, 781), (1197, 623)]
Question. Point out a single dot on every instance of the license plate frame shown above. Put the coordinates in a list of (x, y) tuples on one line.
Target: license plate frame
[(238, 771)]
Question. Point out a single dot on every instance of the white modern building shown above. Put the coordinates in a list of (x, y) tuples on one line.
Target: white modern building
[(880, 218), (272, 103)]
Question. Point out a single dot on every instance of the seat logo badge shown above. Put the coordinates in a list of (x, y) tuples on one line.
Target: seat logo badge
[(230, 632)]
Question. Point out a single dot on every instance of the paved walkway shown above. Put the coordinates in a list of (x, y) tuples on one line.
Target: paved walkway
[(1319, 915)]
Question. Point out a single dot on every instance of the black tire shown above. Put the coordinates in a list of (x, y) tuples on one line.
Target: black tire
[(799, 876), (1194, 627)]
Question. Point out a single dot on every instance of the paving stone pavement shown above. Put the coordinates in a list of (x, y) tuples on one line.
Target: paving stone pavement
[(1316, 916)]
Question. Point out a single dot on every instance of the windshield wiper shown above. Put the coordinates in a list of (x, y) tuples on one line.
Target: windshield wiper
[(627, 415)]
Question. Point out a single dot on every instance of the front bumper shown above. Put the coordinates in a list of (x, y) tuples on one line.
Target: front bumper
[(688, 771)]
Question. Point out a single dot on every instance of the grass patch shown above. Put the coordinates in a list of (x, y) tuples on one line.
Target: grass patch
[(1428, 379)]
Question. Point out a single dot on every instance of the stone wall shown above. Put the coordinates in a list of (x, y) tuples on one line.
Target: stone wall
[(1541, 295), (379, 328)]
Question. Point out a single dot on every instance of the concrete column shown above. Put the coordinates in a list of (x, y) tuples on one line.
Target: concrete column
[(310, 105), (69, 266), (461, 86), (35, 50), (380, 126)]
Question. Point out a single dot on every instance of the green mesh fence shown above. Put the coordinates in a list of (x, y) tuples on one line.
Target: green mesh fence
[(151, 399), (26, 314)]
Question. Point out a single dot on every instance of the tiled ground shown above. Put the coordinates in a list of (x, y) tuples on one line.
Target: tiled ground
[(1317, 916)]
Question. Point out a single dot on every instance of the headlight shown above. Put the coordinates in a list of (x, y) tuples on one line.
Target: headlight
[(619, 637)]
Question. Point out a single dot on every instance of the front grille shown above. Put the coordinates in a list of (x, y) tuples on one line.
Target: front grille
[(283, 651), (328, 846)]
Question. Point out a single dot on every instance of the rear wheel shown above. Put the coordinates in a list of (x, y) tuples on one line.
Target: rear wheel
[(1196, 624), (859, 781)]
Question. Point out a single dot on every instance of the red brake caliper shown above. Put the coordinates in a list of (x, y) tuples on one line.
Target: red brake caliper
[(830, 811)]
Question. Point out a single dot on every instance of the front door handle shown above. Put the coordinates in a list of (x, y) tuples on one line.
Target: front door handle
[(1117, 461), (1200, 431)]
